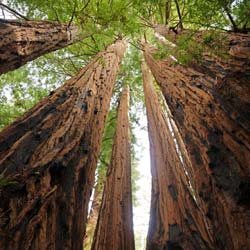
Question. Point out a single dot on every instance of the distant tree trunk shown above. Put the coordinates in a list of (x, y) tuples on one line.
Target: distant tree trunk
[(176, 222), (213, 119), (94, 211), (24, 41), (51, 152), (104, 159), (114, 229)]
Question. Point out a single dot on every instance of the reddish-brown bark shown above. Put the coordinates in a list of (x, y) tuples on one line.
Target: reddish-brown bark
[(213, 119), (24, 41), (114, 229), (176, 222), (51, 152)]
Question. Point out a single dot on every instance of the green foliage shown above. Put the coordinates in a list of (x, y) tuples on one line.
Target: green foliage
[(190, 46), (241, 12), (19, 91), (107, 140)]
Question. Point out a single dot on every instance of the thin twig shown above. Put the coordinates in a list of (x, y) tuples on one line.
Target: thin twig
[(73, 14), (74, 66), (135, 46), (93, 39), (85, 6), (57, 17), (3, 12), (179, 14), (14, 12), (235, 27)]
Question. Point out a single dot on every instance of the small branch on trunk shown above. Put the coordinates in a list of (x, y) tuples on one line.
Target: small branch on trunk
[(85, 6), (146, 22), (235, 27), (57, 17), (135, 45), (73, 15), (180, 25)]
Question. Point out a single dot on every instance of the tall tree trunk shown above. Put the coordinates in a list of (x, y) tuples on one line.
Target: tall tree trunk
[(24, 41), (176, 222), (51, 152), (216, 134), (115, 223)]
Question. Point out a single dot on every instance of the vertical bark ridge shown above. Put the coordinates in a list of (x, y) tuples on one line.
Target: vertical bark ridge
[(51, 152), (217, 138), (176, 222), (24, 41), (114, 229)]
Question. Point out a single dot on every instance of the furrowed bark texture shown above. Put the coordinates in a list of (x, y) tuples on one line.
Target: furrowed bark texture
[(24, 41), (176, 222), (114, 230), (213, 119), (51, 152)]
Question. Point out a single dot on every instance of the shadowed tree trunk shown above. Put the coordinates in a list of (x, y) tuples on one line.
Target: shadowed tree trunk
[(24, 41), (213, 119), (176, 222), (114, 229), (51, 152)]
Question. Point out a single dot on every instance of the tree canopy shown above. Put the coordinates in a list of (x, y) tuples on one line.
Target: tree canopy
[(100, 22)]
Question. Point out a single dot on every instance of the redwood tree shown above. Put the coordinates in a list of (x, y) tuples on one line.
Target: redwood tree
[(176, 221), (211, 111), (24, 41), (51, 154), (114, 229)]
